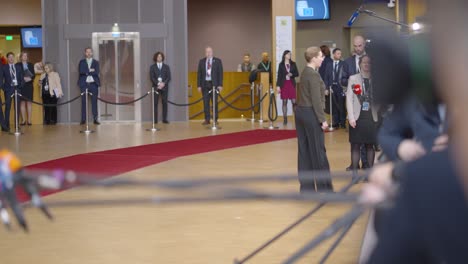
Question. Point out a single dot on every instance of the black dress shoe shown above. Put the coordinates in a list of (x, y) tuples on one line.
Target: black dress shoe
[(350, 168), (343, 126), (165, 122), (96, 122), (4, 129), (29, 124), (336, 125), (206, 123), (82, 122), (23, 124)]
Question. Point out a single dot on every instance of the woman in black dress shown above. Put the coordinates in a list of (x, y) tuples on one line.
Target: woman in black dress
[(27, 89), (362, 113), (286, 82)]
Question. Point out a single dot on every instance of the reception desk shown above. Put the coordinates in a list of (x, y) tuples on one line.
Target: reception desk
[(236, 90)]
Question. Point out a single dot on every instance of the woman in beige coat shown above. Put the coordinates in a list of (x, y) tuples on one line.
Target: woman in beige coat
[(51, 92), (362, 113)]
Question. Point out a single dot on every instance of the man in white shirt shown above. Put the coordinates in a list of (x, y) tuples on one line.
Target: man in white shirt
[(89, 79), (12, 80), (209, 77)]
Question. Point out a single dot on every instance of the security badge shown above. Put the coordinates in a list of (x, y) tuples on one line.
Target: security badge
[(365, 106)]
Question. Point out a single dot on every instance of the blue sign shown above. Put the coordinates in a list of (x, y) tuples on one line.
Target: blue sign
[(312, 10), (31, 37)]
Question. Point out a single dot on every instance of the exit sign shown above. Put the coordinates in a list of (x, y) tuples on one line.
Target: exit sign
[(9, 37)]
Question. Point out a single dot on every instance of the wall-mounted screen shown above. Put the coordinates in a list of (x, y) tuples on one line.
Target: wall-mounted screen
[(312, 10), (31, 37)]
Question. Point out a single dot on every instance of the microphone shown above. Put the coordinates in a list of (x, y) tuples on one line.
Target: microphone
[(354, 16)]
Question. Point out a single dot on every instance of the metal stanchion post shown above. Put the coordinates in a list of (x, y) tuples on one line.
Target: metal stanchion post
[(330, 94), (215, 117), (260, 120), (153, 128), (252, 102), (17, 130), (87, 130), (272, 95)]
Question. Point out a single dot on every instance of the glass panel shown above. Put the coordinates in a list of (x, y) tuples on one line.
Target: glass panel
[(126, 74), (116, 55), (108, 84)]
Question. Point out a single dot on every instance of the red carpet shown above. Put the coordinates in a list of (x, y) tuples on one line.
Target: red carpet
[(119, 161)]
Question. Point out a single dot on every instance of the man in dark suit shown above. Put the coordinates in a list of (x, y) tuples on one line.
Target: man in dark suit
[(2, 117), (351, 67), (89, 78), (160, 77), (209, 77), (12, 79), (428, 223), (333, 74)]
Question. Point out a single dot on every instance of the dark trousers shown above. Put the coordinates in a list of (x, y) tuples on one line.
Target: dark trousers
[(163, 94), (312, 155), (8, 100), (207, 97), (93, 89), (339, 106), (2, 117), (50, 112)]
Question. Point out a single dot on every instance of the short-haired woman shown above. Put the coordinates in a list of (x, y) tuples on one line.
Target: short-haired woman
[(286, 82), (310, 123), (160, 74), (362, 113), (51, 92)]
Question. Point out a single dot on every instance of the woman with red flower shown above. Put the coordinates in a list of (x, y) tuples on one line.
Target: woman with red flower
[(362, 113)]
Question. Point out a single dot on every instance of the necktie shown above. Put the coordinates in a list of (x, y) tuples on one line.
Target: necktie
[(335, 70), (12, 72), (358, 69), (208, 72)]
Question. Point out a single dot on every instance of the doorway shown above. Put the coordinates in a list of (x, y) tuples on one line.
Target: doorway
[(119, 57)]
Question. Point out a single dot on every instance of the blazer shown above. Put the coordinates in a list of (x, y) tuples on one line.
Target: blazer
[(409, 120), (428, 222), (311, 92), (30, 68), (329, 74), (352, 101), (281, 77), (164, 74), (83, 69), (6, 84), (216, 72), (349, 69), (54, 83), (322, 70)]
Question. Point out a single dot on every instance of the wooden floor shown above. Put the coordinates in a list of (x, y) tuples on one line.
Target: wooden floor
[(198, 234)]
